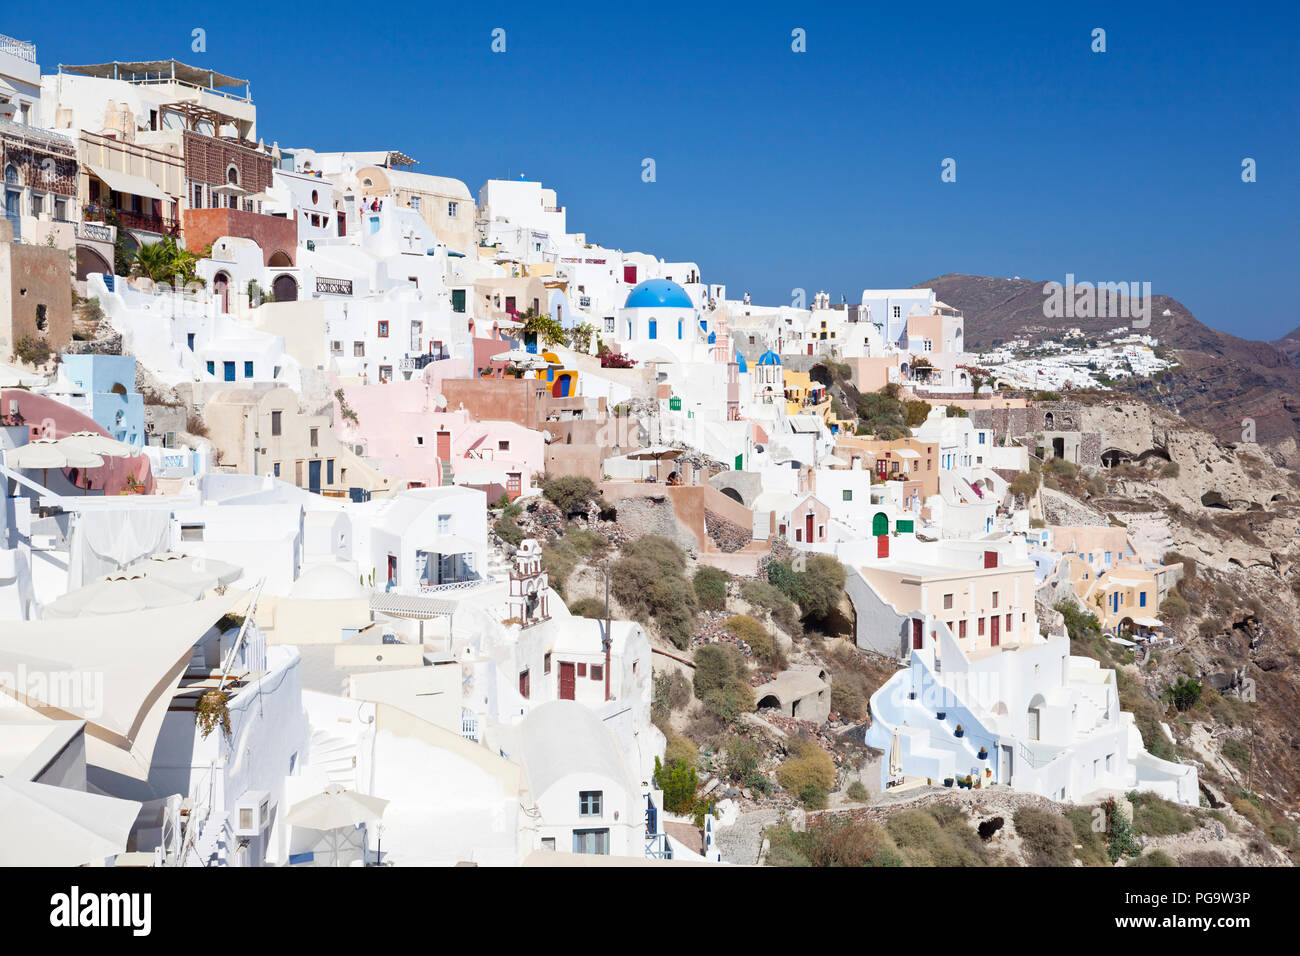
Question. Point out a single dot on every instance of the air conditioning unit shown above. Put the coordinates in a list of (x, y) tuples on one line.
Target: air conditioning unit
[(252, 813)]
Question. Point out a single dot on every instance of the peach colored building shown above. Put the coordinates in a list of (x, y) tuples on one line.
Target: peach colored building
[(902, 459)]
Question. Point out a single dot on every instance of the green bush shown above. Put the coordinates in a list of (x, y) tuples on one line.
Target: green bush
[(1184, 692), (678, 781), (711, 587), (679, 750), (1062, 468), (1154, 858), (817, 589), (648, 580), (570, 493), (847, 699), (1236, 751), (1121, 839), (508, 530), (809, 773), (1091, 842), (1157, 817), (1047, 836), (832, 841), (769, 598), (857, 792), (742, 759), (936, 836), (752, 632), (32, 350), (588, 607), (672, 691), (1024, 484), (716, 665)]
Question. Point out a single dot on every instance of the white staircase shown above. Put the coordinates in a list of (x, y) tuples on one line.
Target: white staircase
[(335, 757)]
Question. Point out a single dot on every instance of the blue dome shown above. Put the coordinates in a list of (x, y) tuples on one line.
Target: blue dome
[(769, 358), (658, 294)]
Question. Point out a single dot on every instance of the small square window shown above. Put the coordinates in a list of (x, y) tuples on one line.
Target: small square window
[(947, 601), (383, 329), (597, 672), (590, 803), (582, 670)]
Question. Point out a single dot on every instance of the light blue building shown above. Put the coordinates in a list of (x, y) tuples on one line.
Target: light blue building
[(108, 383)]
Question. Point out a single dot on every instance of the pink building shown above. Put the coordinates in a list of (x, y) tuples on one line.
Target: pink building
[(45, 417), (410, 435)]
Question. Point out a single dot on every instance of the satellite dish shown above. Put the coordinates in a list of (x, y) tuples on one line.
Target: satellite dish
[(440, 400)]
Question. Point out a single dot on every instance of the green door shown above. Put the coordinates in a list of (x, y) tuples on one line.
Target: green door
[(903, 524), (740, 462), (879, 524)]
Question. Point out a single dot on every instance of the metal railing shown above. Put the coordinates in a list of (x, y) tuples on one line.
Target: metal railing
[(19, 48)]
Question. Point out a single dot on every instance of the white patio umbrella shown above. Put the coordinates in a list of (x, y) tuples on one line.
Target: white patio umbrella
[(46, 453), (896, 757), (121, 592), (522, 359), (336, 811), (185, 573), (41, 825), (96, 444), (655, 453)]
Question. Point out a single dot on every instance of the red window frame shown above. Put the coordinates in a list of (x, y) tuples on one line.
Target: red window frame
[(383, 328)]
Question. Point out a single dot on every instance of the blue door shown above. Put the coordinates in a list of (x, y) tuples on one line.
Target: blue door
[(228, 370), (12, 213), (313, 476)]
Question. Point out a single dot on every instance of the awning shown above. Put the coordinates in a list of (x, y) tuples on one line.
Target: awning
[(414, 606), (133, 663), (1148, 622), (126, 183), (451, 544), (906, 453), (42, 825)]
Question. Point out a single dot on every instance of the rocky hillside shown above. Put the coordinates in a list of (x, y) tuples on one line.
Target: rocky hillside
[(1231, 514), (1221, 381)]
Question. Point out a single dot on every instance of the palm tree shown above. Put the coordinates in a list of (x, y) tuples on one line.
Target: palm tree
[(153, 261)]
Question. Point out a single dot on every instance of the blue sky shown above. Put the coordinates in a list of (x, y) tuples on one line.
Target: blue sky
[(818, 170)]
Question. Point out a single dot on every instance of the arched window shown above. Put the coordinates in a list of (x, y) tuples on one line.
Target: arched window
[(232, 175), (11, 175)]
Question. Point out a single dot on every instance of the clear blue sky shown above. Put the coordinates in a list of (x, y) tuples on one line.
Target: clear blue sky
[(817, 170)]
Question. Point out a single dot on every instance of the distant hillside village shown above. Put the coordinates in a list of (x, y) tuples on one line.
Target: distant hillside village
[(353, 517)]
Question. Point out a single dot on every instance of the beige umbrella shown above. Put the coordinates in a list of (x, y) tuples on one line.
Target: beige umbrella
[(41, 825), (896, 757), (121, 592), (46, 453), (655, 453), (191, 574), (337, 811), (96, 444)]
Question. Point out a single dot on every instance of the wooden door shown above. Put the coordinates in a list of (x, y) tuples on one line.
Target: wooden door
[(444, 446), (995, 633), (808, 527), (568, 681), (917, 625)]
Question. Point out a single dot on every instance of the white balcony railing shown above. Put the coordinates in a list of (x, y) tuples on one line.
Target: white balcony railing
[(19, 48)]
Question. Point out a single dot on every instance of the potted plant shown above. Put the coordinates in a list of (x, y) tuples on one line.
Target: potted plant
[(960, 732), (947, 781), (984, 754), (942, 714)]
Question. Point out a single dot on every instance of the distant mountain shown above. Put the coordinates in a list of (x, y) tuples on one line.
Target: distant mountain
[(1289, 345), (1222, 380)]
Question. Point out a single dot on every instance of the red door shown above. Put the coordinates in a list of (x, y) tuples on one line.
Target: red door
[(916, 633), (629, 275), (343, 223), (882, 546), (392, 568), (512, 485), (444, 446), (995, 634), (567, 681), (808, 527)]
